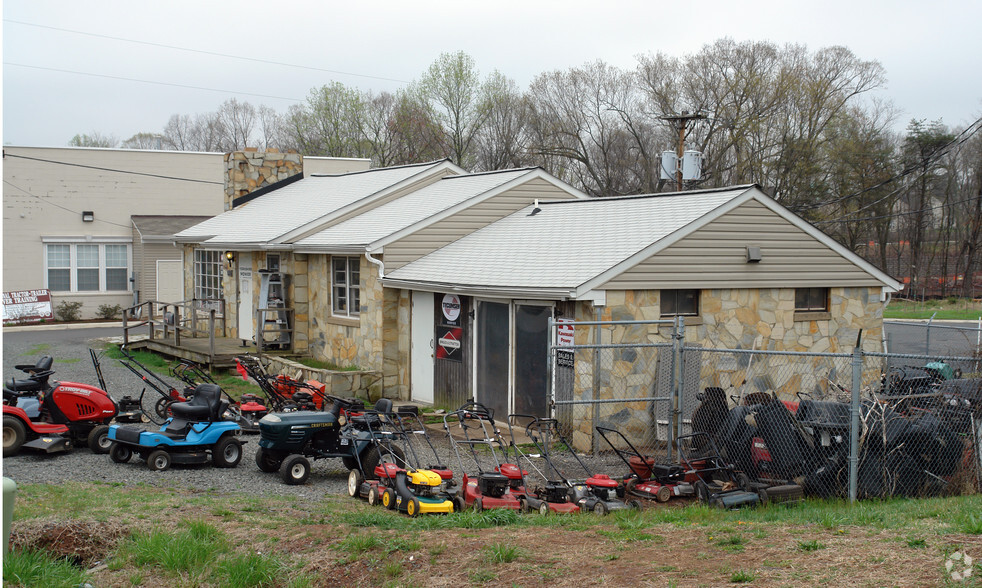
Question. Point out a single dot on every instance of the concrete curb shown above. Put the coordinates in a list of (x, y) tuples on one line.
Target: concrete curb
[(61, 327)]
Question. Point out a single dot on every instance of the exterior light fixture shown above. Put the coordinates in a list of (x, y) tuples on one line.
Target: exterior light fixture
[(229, 258), (88, 216)]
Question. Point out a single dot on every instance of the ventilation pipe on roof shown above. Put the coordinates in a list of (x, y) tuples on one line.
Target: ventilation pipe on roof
[(378, 262)]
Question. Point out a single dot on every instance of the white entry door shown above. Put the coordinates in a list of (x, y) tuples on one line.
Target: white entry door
[(170, 280), (246, 330), (422, 347)]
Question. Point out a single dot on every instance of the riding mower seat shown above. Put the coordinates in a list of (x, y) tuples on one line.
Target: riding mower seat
[(206, 405), (382, 406), (38, 382)]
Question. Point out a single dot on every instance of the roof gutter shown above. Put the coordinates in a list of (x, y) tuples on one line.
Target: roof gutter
[(482, 291), (378, 262)]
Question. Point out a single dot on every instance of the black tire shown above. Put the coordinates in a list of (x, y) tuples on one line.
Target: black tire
[(98, 440), (412, 507), (162, 407), (702, 492), (523, 505), (227, 453), (268, 461), (478, 504), (354, 482), (373, 497), (544, 509), (14, 435), (158, 460), (634, 504), (787, 493), (600, 509), (389, 498), (743, 482), (458, 504), (120, 453), (295, 470), (349, 463), (762, 495), (375, 455)]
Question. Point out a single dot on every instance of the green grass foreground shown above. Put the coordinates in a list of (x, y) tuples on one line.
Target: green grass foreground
[(179, 537)]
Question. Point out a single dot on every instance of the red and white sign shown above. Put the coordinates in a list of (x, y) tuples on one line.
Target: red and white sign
[(449, 344), (451, 307), (564, 333), (26, 306)]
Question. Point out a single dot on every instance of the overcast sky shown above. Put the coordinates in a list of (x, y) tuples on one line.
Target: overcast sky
[(58, 83)]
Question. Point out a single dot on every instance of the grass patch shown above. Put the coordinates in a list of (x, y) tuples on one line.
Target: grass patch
[(946, 309), (742, 577), (39, 349), (812, 545), (326, 365), (37, 568), (501, 553)]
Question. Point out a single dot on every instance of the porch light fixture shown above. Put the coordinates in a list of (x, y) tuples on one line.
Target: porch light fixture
[(88, 216), (229, 258)]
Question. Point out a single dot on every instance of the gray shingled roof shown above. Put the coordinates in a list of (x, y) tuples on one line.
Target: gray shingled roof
[(161, 227), (565, 244), (413, 208), (297, 204)]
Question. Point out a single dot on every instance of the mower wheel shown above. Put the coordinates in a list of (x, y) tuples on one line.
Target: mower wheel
[(98, 439), (354, 482), (389, 498), (162, 407), (226, 453), (663, 494), (544, 509), (14, 435), (373, 497), (523, 505), (785, 494), (743, 482), (120, 453), (375, 455), (634, 504), (158, 460), (702, 491), (268, 461), (458, 504), (412, 507), (600, 509), (295, 470), (478, 504)]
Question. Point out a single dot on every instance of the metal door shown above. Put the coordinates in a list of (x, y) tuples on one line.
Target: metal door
[(531, 355), (493, 329)]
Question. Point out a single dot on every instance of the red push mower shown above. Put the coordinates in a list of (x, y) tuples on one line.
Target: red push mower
[(551, 493), (500, 487), (280, 393), (647, 480), (716, 483), (84, 410)]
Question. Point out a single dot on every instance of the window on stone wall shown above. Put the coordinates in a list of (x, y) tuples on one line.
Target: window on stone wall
[(811, 299), (679, 302), (346, 286), (207, 274)]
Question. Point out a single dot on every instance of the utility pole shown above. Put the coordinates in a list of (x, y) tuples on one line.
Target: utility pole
[(682, 120)]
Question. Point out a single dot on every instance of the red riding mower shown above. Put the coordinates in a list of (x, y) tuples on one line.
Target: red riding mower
[(86, 411)]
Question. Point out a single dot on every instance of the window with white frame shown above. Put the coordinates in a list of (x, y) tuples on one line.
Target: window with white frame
[(87, 267), (207, 274), (346, 286)]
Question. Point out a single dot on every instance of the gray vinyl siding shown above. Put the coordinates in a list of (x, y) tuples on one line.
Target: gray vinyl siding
[(146, 265), (715, 257), (422, 242)]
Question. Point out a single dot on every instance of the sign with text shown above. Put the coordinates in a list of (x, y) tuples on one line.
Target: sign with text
[(449, 344), (26, 306), (565, 337), (450, 306)]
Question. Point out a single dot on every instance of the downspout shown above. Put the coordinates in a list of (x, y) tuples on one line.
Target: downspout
[(378, 262)]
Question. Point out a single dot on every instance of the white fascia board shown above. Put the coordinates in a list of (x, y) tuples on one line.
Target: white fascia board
[(480, 291), (319, 224), (194, 239), (889, 283), (446, 213), (86, 238), (597, 297), (670, 239), (328, 249)]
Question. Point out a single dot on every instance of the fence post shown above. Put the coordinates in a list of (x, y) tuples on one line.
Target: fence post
[(126, 332), (550, 369), (857, 367), (211, 334), (177, 325), (595, 408), (678, 383), (927, 335)]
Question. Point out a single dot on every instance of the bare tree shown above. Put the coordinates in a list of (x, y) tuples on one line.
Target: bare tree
[(93, 140), (452, 86)]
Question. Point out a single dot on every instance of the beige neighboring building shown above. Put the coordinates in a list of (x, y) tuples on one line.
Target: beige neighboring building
[(68, 221)]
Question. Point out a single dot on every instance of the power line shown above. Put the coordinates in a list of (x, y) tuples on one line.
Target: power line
[(48, 202), (82, 73), (204, 52), (120, 171), (894, 214)]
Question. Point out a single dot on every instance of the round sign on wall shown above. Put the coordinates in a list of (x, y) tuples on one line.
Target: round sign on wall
[(451, 307)]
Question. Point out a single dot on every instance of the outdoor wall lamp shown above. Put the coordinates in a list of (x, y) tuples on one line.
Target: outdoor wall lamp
[(88, 216), (229, 258)]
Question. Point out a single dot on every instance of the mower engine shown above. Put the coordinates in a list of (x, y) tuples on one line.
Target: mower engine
[(425, 483), (555, 492), (515, 475), (493, 485)]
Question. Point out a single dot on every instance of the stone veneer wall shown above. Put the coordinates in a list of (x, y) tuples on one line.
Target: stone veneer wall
[(729, 319), (251, 169)]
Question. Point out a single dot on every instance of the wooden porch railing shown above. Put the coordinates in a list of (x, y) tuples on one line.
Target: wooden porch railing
[(177, 319)]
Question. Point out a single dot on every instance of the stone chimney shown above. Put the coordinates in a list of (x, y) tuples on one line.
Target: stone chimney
[(250, 170)]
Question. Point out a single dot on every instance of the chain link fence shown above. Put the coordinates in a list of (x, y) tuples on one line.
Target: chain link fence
[(856, 425)]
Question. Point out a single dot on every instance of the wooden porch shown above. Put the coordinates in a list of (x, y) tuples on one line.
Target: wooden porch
[(195, 330)]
